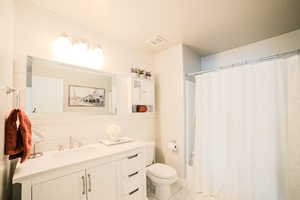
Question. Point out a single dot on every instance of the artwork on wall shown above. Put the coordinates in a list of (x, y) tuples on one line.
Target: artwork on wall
[(86, 96)]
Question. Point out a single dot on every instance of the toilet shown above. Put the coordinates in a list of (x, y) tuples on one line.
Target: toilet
[(160, 177)]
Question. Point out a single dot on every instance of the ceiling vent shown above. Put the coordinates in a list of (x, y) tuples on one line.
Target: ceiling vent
[(156, 41)]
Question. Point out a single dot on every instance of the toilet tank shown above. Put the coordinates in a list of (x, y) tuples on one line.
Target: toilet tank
[(150, 153)]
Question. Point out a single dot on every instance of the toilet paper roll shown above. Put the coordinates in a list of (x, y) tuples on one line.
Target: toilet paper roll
[(172, 146)]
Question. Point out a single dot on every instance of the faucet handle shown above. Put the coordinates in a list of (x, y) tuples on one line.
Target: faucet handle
[(74, 143), (60, 147)]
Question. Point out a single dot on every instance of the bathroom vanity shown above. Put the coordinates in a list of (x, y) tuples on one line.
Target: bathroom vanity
[(91, 172)]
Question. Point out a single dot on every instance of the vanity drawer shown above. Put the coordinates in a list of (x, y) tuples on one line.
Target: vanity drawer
[(136, 194), (132, 163), (134, 180)]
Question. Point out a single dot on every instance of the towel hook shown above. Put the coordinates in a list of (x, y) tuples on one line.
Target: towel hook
[(10, 90)]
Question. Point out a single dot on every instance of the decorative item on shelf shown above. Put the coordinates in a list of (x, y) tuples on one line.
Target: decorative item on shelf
[(148, 75), (142, 108), (134, 72), (134, 108), (141, 73)]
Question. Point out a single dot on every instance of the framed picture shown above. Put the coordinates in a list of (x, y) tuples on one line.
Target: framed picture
[(86, 96)]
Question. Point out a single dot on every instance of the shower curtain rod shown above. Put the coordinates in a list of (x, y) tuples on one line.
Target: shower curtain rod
[(297, 51)]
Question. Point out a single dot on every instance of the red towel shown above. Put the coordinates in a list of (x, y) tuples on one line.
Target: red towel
[(18, 138)]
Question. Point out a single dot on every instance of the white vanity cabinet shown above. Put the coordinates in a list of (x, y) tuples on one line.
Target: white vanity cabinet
[(133, 177), (66, 187), (119, 176), (101, 181), (91, 183)]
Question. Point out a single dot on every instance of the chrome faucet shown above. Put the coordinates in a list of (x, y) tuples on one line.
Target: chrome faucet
[(35, 154), (38, 138), (61, 147)]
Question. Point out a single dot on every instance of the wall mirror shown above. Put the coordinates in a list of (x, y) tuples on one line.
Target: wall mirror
[(54, 87)]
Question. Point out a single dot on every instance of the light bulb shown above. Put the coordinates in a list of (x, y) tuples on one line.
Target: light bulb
[(61, 48), (79, 53), (98, 57)]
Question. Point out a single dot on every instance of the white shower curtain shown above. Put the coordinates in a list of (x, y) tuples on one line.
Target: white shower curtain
[(248, 132)]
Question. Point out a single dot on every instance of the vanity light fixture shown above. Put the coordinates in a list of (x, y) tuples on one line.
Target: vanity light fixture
[(93, 56), (62, 47), (77, 52)]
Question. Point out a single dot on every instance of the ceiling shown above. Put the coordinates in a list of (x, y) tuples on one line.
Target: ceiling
[(209, 26)]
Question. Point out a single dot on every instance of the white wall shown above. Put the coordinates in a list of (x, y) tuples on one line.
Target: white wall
[(170, 67), (6, 72), (35, 29), (191, 60), (268, 47)]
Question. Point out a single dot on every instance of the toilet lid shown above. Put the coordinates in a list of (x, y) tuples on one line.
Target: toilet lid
[(161, 171)]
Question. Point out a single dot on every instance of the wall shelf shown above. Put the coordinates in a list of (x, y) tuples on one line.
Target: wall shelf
[(141, 96)]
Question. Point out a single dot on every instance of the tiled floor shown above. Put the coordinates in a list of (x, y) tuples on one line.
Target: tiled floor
[(187, 195), (182, 194)]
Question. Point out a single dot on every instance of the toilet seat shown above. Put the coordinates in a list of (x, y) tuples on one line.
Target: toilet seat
[(161, 171)]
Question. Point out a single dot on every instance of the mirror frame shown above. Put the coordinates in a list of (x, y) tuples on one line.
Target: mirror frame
[(29, 62)]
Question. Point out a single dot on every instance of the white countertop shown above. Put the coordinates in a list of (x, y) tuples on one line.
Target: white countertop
[(56, 159)]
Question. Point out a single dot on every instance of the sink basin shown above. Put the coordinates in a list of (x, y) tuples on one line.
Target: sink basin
[(77, 152)]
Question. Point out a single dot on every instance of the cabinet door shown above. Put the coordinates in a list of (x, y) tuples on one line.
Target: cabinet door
[(147, 92), (69, 187), (136, 92), (102, 182)]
